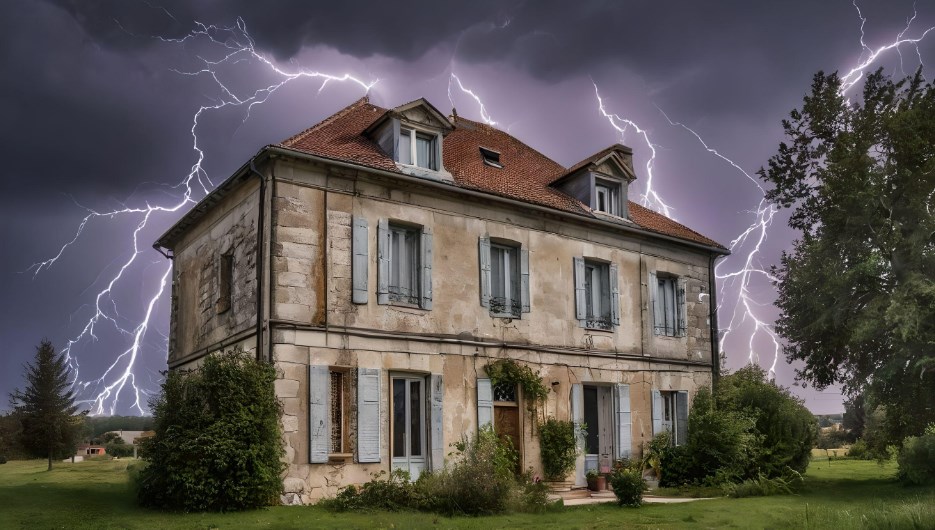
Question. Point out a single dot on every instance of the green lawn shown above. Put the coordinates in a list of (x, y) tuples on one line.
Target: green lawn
[(838, 494)]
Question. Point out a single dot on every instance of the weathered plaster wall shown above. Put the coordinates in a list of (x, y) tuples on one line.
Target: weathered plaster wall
[(229, 228)]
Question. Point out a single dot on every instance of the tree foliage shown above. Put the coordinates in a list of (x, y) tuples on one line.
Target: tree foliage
[(46, 408), (218, 440), (857, 291)]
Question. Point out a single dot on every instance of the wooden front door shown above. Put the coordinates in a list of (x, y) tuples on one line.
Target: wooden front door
[(506, 421)]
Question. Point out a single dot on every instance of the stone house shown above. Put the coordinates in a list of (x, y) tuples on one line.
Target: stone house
[(383, 257)]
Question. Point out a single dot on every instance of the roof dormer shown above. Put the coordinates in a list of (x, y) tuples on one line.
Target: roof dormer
[(412, 135), (601, 181)]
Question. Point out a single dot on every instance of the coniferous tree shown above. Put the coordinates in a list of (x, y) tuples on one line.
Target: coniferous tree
[(47, 406)]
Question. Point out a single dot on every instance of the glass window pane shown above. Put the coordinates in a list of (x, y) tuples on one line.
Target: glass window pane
[(399, 417), (415, 415), (591, 420), (605, 291), (405, 146), (514, 276), (589, 290), (425, 151), (496, 272)]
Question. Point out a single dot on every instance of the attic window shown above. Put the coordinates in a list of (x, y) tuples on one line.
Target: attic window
[(491, 157)]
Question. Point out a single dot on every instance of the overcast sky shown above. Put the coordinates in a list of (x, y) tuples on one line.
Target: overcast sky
[(97, 106)]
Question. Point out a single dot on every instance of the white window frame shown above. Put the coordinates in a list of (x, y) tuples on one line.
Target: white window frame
[(409, 261), (414, 464), (511, 307), (607, 192), (598, 316), (414, 134), (668, 307)]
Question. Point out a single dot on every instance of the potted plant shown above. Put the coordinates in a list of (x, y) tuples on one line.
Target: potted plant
[(596, 481)]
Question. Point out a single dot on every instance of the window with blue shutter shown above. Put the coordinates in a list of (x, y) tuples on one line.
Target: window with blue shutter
[(319, 425), (484, 403), (623, 420), (437, 417)]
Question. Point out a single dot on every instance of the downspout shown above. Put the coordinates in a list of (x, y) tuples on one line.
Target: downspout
[(261, 227), (715, 337)]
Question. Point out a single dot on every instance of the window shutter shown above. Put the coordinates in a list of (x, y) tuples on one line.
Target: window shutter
[(483, 257), (368, 415), (484, 403), (624, 423), (656, 306), (681, 306), (383, 262), (436, 436), (577, 417), (580, 307), (319, 421), (681, 414), (359, 264), (657, 411), (614, 296), (426, 247), (524, 279)]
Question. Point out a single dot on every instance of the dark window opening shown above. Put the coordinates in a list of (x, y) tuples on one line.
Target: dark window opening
[(225, 282), (491, 157)]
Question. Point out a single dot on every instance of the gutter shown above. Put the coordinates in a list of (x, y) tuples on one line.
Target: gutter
[(260, 230), (715, 336)]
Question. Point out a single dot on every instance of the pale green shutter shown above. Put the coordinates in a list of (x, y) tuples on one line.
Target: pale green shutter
[(657, 411), (524, 279), (436, 436), (681, 414), (319, 424), (368, 415), (581, 312), (359, 264), (483, 258), (383, 262), (577, 417), (624, 423), (484, 403), (614, 296), (656, 305), (426, 276)]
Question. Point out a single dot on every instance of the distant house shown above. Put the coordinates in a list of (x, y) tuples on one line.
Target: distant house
[(384, 256)]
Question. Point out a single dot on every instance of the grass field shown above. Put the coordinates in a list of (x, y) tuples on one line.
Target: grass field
[(838, 494)]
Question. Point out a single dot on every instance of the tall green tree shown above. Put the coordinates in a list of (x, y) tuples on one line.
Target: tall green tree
[(857, 290), (47, 407)]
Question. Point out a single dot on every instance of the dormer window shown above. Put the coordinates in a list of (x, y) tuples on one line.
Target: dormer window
[(417, 149), (491, 157)]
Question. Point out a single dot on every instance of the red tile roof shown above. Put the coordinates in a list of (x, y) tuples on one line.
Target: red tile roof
[(525, 176)]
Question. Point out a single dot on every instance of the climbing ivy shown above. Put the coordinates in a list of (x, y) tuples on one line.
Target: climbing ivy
[(508, 371)]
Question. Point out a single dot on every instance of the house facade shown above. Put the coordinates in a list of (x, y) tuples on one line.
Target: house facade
[(383, 257)]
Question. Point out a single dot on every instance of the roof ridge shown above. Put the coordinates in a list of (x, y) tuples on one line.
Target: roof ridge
[(364, 100)]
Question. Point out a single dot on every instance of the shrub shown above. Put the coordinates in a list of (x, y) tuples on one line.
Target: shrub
[(479, 480), (119, 450), (917, 459), (557, 446), (217, 443), (2, 459), (763, 486), (786, 431), (860, 451), (627, 482)]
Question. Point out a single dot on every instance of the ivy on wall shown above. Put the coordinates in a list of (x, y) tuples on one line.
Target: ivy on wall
[(509, 372)]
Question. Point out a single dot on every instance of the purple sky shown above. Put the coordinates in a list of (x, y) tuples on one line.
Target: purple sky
[(97, 113)]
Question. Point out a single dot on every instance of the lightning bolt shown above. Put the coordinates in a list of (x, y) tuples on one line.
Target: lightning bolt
[(104, 393), (747, 246), (482, 108)]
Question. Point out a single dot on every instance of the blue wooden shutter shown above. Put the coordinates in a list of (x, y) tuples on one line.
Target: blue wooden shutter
[(359, 265), (368, 415), (484, 403), (681, 306), (658, 316), (383, 262), (657, 411), (524, 279), (483, 259), (624, 424), (426, 299), (319, 424), (577, 416), (581, 311), (681, 414), (437, 435), (614, 296)]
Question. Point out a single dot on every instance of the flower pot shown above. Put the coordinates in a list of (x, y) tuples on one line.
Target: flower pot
[(598, 483)]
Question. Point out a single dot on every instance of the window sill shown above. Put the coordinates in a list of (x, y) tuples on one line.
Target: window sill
[(339, 457), (505, 316), (605, 330)]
